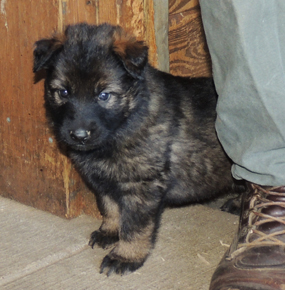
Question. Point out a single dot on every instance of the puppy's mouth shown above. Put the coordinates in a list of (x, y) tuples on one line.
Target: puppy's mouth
[(80, 147), (84, 147)]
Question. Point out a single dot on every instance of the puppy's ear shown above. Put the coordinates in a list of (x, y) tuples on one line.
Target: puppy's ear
[(133, 53), (45, 50)]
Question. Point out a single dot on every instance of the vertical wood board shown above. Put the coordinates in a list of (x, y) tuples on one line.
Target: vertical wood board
[(188, 52)]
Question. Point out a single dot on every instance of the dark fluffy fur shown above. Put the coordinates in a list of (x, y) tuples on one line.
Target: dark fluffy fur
[(140, 138)]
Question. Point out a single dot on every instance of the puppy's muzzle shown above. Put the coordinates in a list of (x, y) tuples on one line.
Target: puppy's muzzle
[(80, 135)]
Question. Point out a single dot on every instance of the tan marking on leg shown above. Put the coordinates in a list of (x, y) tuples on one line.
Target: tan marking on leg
[(111, 220), (138, 248)]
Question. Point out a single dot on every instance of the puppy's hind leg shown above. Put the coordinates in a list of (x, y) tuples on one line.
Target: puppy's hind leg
[(108, 233)]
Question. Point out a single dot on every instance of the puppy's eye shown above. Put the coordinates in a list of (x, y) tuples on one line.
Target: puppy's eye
[(104, 96), (63, 93)]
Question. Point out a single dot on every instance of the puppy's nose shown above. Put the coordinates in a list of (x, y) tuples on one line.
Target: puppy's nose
[(80, 135)]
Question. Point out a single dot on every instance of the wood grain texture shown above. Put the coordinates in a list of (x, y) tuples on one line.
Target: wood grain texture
[(188, 52), (32, 169)]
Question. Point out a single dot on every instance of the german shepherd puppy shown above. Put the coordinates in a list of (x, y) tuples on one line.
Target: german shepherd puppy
[(141, 139)]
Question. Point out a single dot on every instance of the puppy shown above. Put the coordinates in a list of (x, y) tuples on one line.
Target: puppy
[(141, 139)]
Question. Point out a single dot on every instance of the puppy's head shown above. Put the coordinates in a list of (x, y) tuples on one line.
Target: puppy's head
[(94, 83)]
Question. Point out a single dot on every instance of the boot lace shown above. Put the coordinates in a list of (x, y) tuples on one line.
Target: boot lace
[(256, 218)]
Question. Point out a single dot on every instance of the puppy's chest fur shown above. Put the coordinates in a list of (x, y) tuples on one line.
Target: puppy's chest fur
[(138, 161)]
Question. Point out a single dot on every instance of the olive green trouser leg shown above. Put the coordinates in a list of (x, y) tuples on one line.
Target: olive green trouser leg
[(246, 40)]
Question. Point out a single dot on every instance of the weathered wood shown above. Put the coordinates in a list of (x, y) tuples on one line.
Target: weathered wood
[(150, 32), (31, 166), (188, 51)]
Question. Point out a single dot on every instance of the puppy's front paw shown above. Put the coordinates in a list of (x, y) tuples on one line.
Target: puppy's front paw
[(119, 265), (103, 239)]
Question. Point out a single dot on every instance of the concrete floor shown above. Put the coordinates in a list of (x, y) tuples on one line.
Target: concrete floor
[(42, 251)]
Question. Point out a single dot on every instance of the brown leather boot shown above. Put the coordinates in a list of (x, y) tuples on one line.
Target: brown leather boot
[(256, 258)]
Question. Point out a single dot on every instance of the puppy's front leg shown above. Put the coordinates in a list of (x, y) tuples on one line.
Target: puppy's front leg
[(108, 233), (139, 223)]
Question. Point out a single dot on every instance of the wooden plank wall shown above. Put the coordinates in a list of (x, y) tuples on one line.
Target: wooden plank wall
[(32, 170), (188, 53)]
